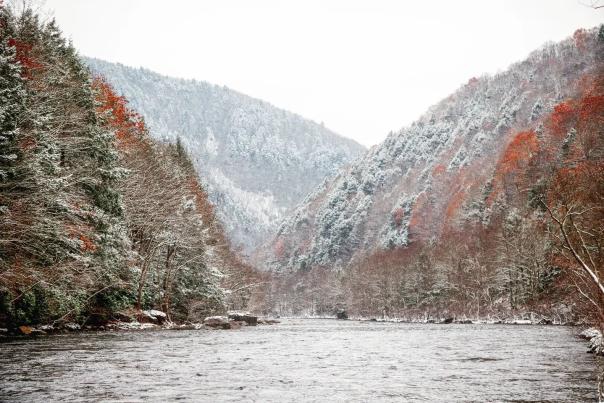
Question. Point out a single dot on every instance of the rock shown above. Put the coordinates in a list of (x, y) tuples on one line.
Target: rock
[(123, 317), (465, 322), (588, 334), (152, 316), (135, 326), (250, 320), (145, 317), (48, 328), (184, 326), (155, 316), (25, 330), (522, 322), (545, 321), (596, 341), (72, 327), (265, 321), (37, 332), (447, 321), (161, 316), (217, 322), (3, 331), (341, 314)]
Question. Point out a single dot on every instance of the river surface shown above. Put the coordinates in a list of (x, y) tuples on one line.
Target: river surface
[(304, 360)]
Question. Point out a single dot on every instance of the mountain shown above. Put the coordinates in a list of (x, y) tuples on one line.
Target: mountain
[(257, 161), (488, 207), (441, 172)]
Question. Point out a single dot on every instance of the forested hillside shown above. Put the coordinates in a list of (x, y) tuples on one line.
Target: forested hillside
[(257, 161), (491, 204), (95, 216)]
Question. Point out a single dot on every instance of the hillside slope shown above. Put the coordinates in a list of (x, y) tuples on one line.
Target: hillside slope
[(97, 220), (257, 161), (436, 174)]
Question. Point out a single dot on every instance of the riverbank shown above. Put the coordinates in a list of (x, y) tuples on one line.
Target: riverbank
[(140, 321), (522, 320)]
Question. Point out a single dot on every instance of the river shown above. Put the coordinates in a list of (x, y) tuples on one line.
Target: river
[(304, 360)]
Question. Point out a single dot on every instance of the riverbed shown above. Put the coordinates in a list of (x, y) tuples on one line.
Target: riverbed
[(304, 360)]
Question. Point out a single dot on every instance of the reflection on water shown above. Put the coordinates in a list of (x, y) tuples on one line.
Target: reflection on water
[(305, 360)]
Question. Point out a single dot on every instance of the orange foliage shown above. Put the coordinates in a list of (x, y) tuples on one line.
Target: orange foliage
[(562, 118), (416, 212), (578, 182), (127, 124), (592, 107), (23, 51), (454, 204), (438, 170), (519, 151), (87, 244)]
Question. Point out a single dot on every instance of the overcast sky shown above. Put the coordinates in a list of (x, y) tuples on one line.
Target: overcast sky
[(361, 67)]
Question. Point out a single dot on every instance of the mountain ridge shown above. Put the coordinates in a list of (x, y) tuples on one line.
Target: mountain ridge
[(357, 211), (234, 139)]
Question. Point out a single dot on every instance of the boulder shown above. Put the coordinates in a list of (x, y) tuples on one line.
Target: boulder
[(217, 322), (250, 320), (72, 327), (157, 316), (341, 314), (447, 321)]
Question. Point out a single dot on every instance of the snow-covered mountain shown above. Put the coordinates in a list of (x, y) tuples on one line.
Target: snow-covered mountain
[(439, 171), (257, 161)]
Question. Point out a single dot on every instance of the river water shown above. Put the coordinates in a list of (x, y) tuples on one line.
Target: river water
[(304, 360)]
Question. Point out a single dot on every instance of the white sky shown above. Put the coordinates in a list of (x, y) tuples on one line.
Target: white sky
[(362, 67)]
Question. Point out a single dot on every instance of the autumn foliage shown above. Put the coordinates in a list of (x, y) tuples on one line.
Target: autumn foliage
[(562, 118), (24, 57), (126, 123), (518, 152)]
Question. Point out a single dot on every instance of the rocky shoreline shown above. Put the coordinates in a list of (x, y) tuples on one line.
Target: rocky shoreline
[(139, 321), (525, 320), (595, 340)]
